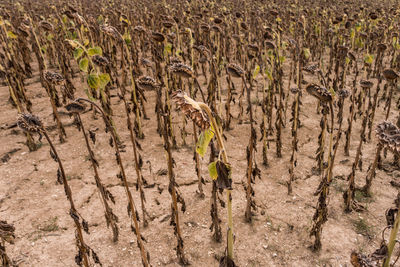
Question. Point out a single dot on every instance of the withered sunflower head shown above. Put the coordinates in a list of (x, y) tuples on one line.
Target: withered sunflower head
[(235, 70), (146, 62), (343, 93), (175, 60), (382, 47), (311, 68), (100, 60), (294, 90), (45, 25), (269, 45), (158, 36), (182, 70), (75, 107), (53, 77), (319, 92), (111, 31), (216, 28), (191, 109), (217, 20), (366, 84), (139, 29), (29, 123), (390, 74), (205, 27), (147, 83), (168, 23), (388, 135)]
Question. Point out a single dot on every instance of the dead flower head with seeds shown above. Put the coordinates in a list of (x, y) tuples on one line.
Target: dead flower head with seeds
[(147, 83), (100, 60), (29, 123), (111, 31), (319, 92), (53, 78), (75, 107), (388, 135), (182, 70), (235, 70), (191, 109)]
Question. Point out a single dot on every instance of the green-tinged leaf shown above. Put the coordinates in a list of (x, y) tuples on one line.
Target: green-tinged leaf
[(127, 38), (11, 35), (89, 95), (93, 81), (84, 64), (282, 59), (358, 27), (125, 20), (100, 19), (307, 53), (104, 79), (268, 73), (212, 170), (78, 53), (95, 51), (64, 19), (256, 71), (203, 141), (50, 37), (332, 92), (359, 43), (86, 42), (167, 49), (347, 60), (368, 59)]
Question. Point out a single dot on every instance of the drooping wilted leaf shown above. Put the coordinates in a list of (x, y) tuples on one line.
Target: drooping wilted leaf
[(224, 175), (95, 51), (167, 49), (93, 81), (204, 140), (212, 170), (84, 64), (368, 59), (306, 53), (89, 95), (92, 135), (11, 35), (85, 226), (256, 71), (104, 79), (78, 53)]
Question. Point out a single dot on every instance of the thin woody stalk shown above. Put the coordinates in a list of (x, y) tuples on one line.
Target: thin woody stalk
[(172, 190), (348, 196), (31, 123), (131, 202), (200, 113), (111, 218), (81, 243), (228, 191)]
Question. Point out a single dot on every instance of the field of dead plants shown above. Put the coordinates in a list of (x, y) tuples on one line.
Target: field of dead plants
[(202, 133)]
